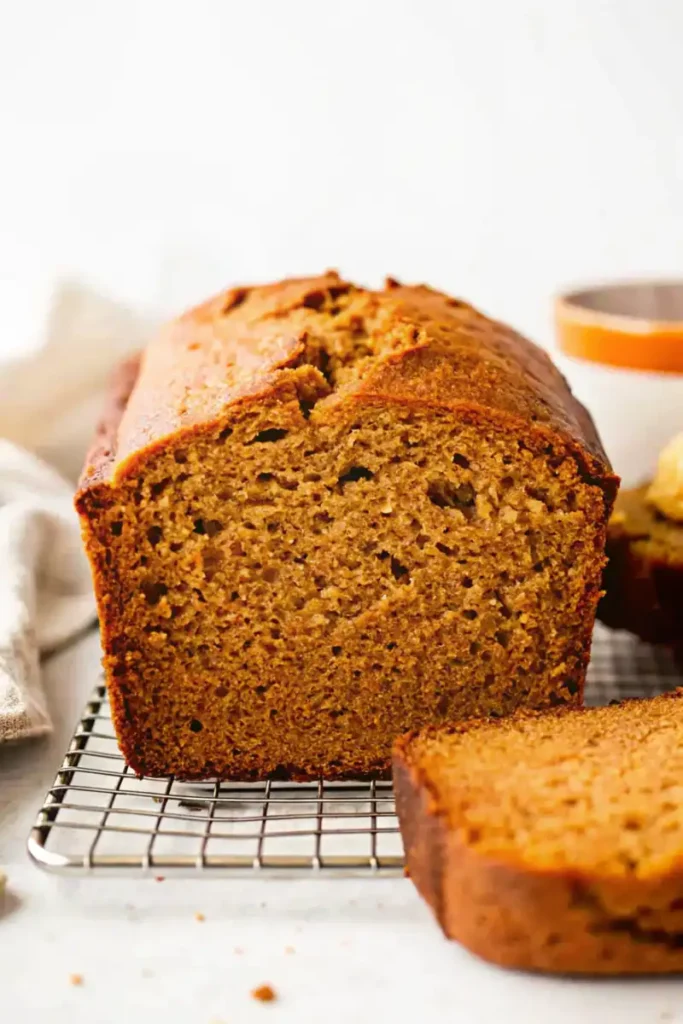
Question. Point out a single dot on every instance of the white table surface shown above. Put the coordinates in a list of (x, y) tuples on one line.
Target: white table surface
[(363, 949)]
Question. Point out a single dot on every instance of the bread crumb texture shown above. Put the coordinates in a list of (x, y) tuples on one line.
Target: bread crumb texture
[(76, 979), (264, 994), (552, 840), (319, 516)]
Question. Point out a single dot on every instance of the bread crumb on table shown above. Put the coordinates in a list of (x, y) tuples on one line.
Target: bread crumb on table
[(264, 994), (75, 979), (199, 916), (290, 949)]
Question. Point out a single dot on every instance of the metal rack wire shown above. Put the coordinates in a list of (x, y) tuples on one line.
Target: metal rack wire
[(99, 817)]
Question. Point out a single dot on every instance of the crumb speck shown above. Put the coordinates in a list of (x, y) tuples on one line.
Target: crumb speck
[(159, 878), (290, 949), (199, 916), (76, 979), (264, 994), (238, 951)]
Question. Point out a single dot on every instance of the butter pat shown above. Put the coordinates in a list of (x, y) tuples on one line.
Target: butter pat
[(666, 490)]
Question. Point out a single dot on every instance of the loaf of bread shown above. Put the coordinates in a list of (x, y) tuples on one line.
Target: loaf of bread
[(552, 841), (318, 516), (643, 578)]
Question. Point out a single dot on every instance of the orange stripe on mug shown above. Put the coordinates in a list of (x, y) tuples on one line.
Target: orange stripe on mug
[(638, 325)]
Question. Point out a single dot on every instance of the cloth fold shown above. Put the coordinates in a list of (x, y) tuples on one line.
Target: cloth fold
[(49, 404)]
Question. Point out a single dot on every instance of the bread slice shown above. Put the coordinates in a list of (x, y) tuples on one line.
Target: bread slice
[(643, 578), (319, 515), (552, 841)]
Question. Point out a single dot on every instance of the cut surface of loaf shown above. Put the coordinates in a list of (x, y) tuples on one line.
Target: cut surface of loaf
[(643, 578), (319, 515), (552, 841)]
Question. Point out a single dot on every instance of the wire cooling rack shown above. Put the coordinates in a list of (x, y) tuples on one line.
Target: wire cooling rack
[(99, 817)]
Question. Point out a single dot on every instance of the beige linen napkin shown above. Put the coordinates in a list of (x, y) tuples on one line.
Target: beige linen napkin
[(49, 404)]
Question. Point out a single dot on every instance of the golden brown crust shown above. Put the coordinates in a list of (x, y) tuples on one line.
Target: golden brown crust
[(439, 352), (539, 919)]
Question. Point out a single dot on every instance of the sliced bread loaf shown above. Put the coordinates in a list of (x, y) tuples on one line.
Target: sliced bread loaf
[(552, 841), (318, 516)]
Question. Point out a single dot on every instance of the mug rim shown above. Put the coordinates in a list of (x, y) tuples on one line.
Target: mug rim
[(598, 323)]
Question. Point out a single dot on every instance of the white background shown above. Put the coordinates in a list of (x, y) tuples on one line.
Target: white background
[(158, 151), (496, 148)]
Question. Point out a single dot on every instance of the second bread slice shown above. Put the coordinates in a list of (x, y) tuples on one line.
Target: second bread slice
[(552, 841)]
